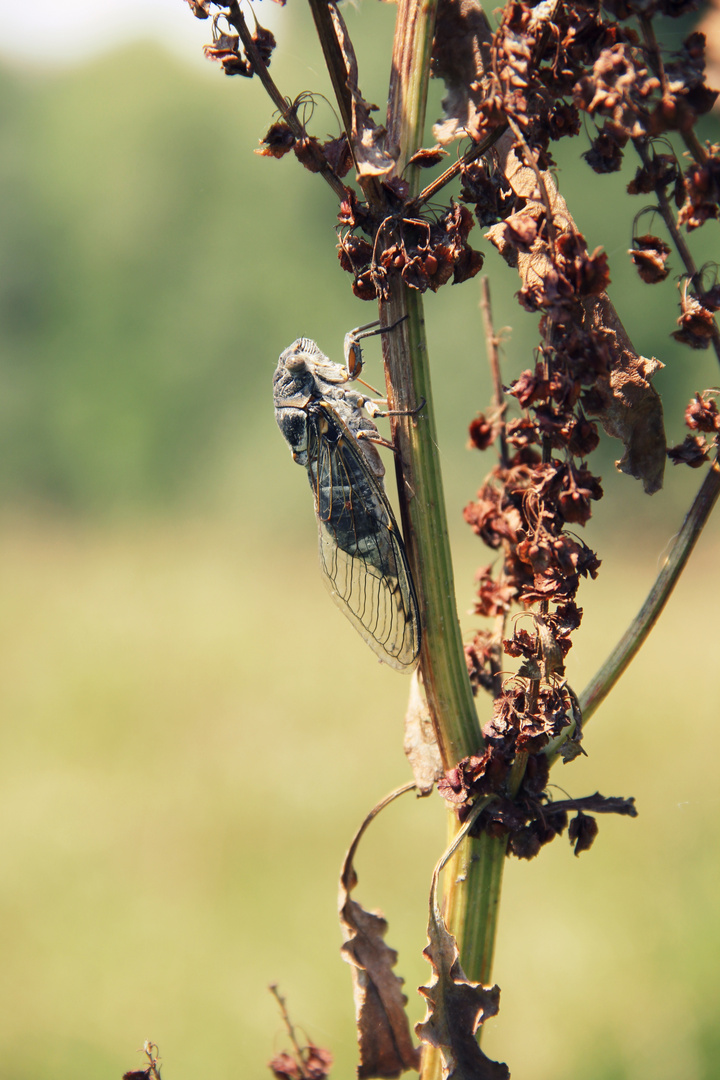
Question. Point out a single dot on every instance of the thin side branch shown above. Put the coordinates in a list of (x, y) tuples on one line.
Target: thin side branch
[(475, 151), (601, 685), (289, 114), (677, 238)]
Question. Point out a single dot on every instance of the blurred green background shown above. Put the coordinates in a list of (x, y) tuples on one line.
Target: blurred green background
[(191, 732)]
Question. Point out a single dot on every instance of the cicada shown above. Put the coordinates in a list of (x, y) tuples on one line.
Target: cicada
[(362, 556)]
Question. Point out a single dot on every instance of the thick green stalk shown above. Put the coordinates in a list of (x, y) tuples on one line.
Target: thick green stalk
[(422, 504), (407, 362), (473, 878)]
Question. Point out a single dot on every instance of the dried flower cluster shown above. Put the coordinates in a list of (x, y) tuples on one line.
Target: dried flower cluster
[(525, 509), (702, 416), (312, 1063), (538, 81), (425, 254)]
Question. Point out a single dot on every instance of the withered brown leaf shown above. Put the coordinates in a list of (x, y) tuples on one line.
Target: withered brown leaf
[(367, 137), (650, 256), (456, 1009), (694, 451), (460, 32), (425, 158), (384, 1039), (631, 408)]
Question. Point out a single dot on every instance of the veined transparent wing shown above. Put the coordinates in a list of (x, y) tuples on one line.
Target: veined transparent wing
[(362, 555)]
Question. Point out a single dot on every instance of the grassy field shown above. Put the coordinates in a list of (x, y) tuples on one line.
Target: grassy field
[(191, 734)]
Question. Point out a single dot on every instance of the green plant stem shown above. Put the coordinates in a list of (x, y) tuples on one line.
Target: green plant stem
[(472, 909), (407, 365), (472, 879), (422, 507), (472, 884)]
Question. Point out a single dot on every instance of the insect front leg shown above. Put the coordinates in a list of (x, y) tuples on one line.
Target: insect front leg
[(353, 350)]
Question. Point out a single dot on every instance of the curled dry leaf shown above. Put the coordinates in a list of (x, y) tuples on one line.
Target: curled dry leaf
[(650, 255), (384, 1039), (631, 408), (426, 158), (278, 141), (460, 32), (456, 1008), (694, 451), (420, 745), (367, 137), (582, 830), (696, 322)]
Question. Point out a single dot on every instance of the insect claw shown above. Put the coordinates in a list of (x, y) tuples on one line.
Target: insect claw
[(373, 409)]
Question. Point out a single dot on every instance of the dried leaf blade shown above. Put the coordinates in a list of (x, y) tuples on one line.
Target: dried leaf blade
[(461, 32), (384, 1038), (456, 1007), (367, 137)]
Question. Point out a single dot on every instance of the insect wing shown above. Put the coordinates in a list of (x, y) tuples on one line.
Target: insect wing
[(361, 551)]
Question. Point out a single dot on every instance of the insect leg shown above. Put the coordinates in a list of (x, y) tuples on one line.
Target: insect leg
[(352, 350), (369, 436)]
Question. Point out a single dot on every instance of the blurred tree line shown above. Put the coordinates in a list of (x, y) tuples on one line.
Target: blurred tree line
[(134, 272)]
